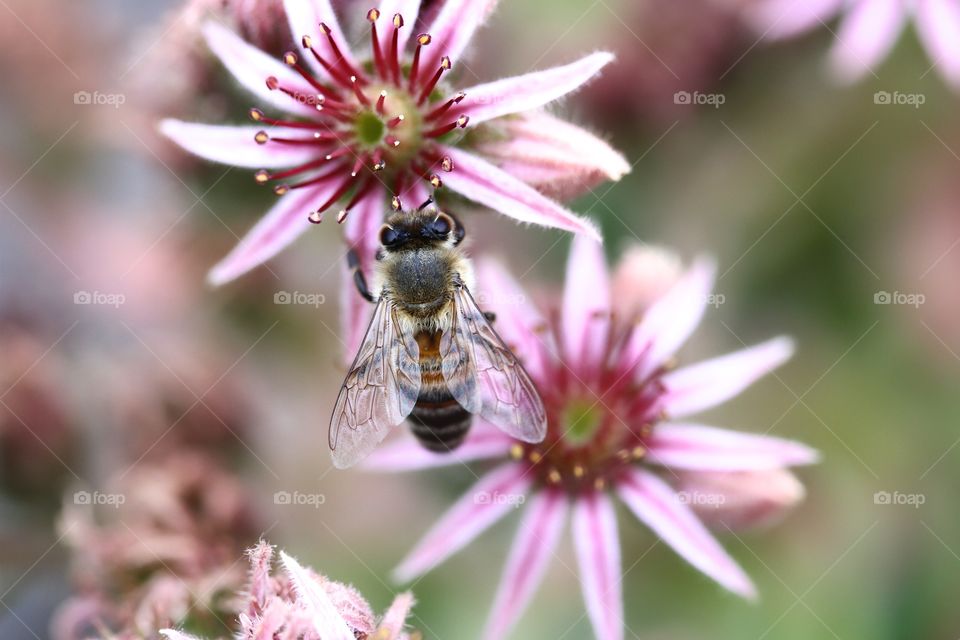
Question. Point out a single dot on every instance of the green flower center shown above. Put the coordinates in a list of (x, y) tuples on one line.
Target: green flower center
[(581, 420), (369, 129)]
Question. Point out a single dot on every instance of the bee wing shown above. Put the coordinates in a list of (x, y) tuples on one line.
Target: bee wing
[(485, 377), (380, 389)]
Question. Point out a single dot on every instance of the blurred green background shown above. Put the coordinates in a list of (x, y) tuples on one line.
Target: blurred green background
[(813, 198)]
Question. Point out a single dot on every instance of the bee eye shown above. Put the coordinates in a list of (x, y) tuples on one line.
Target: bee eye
[(441, 226), (389, 236)]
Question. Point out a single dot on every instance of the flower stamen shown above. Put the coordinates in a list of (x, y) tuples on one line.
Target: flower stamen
[(422, 40), (460, 122), (340, 59), (445, 65), (395, 48), (442, 109), (372, 16)]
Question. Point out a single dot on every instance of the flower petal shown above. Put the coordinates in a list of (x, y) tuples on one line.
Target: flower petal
[(532, 90), (305, 17), (670, 320), (453, 28), (586, 305), (480, 181), (235, 145), (251, 67), (535, 544), (706, 384), (414, 194), (327, 621), (405, 453), (282, 224), (938, 22), (785, 18), (485, 503), (361, 231), (559, 159), (598, 557), (396, 617), (698, 447), (644, 274), (740, 499), (658, 506), (409, 10), (866, 36), (519, 322)]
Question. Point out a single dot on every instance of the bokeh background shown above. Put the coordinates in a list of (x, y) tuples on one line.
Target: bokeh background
[(198, 404)]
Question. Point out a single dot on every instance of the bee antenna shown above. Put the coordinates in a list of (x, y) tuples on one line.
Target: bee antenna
[(426, 204)]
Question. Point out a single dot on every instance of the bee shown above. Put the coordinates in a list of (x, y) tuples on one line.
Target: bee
[(430, 355)]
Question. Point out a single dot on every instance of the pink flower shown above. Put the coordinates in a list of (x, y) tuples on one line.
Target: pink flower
[(303, 605), (363, 129), (869, 29), (618, 426)]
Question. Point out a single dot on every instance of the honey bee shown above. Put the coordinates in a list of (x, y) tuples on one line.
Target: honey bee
[(430, 355)]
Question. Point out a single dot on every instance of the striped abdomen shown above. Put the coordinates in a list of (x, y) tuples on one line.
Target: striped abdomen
[(437, 420)]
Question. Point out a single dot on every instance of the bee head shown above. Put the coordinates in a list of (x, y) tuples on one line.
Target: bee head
[(424, 228)]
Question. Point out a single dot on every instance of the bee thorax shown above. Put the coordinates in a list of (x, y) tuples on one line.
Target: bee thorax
[(419, 282)]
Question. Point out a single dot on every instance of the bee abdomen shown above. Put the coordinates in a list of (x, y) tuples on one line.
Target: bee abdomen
[(440, 426)]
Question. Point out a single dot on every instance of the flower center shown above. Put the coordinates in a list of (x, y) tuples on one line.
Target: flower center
[(383, 116), (591, 440), (369, 129), (581, 420)]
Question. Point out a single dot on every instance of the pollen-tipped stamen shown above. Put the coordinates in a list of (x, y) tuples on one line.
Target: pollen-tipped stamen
[(443, 108), (257, 116), (422, 40), (380, 101), (394, 57), (357, 91), (286, 173), (378, 163), (340, 76), (323, 177), (339, 57), (362, 192), (372, 16), (445, 65), (293, 61), (460, 122)]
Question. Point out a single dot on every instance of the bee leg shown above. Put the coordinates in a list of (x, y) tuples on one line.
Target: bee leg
[(360, 280)]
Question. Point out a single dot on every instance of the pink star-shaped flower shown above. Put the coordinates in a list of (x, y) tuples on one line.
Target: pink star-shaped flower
[(362, 129), (618, 427)]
